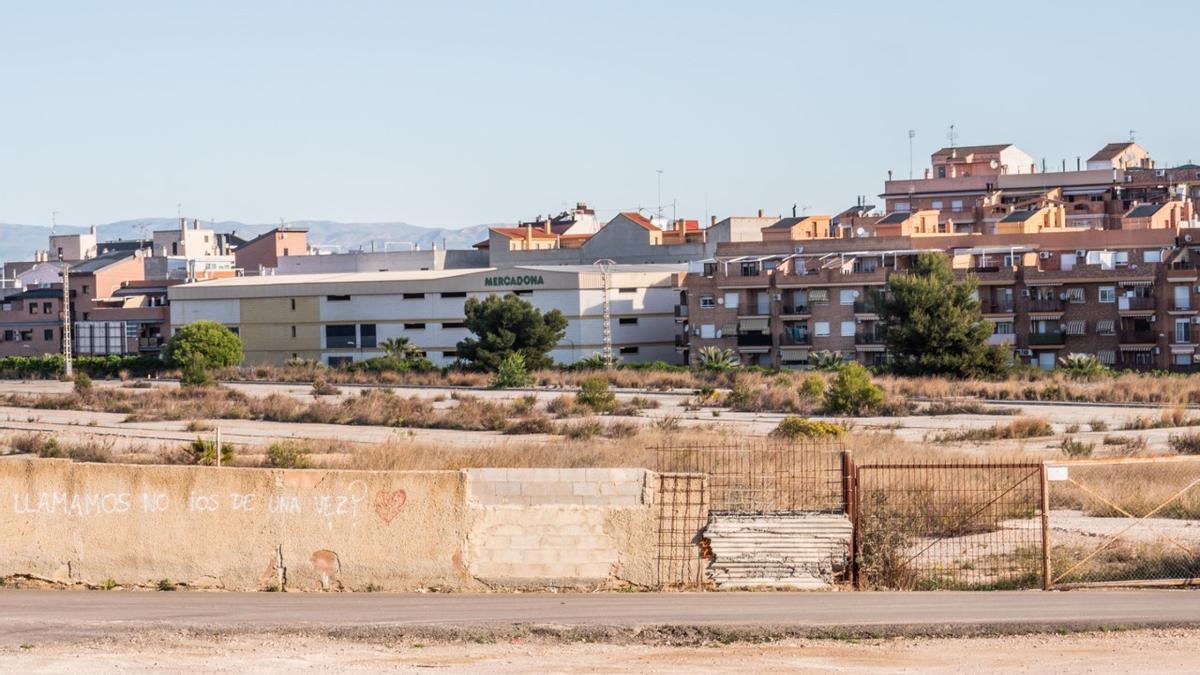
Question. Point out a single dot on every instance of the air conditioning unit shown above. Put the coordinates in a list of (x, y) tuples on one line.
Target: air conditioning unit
[(1024, 352), (1080, 253), (1064, 296), (1197, 289), (1196, 319), (1153, 318), (1045, 255), (1025, 292)]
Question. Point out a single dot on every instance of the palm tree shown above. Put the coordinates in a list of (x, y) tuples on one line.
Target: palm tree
[(399, 348)]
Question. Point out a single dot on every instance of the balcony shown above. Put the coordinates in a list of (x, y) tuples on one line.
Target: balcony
[(1044, 339), (864, 307), (990, 273), (1135, 336), (734, 280), (152, 344), (681, 313), (794, 310), (794, 339), (681, 341), (822, 277), (1135, 304), (1045, 305), (753, 340), (1177, 307), (867, 339), (992, 306)]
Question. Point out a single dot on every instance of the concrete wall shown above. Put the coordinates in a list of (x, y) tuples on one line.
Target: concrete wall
[(248, 529)]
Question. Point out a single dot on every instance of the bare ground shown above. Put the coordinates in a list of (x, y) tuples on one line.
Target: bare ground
[(1162, 651)]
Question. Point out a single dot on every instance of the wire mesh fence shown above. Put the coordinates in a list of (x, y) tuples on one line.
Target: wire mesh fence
[(765, 477), (949, 526), (1125, 521), (681, 505)]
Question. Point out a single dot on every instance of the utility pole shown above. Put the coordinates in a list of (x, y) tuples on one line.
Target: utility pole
[(66, 318), (605, 266), (912, 133)]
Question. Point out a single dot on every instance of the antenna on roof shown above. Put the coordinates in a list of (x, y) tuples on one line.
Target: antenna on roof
[(952, 136), (912, 133), (1132, 135)]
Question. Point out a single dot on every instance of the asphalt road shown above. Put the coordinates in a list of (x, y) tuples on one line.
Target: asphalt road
[(48, 616)]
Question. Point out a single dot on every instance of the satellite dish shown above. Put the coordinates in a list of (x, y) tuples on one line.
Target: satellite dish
[(862, 232), (994, 164)]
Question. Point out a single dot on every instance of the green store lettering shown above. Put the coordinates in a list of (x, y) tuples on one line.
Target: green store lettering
[(523, 280)]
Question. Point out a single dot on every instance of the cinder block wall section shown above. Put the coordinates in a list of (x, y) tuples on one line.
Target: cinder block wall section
[(568, 527)]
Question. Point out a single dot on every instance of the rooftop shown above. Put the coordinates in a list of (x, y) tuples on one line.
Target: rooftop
[(100, 262), (1144, 210), (1019, 216), (1110, 151), (963, 150)]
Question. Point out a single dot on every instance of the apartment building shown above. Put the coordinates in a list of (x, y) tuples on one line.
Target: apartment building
[(974, 188), (340, 318), (1127, 296), (261, 254)]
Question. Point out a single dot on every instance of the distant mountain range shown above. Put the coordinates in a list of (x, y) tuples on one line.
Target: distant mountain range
[(18, 242)]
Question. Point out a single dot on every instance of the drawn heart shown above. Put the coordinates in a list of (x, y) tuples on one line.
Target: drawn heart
[(388, 504)]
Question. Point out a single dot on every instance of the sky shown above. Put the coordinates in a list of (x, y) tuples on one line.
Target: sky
[(449, 114)]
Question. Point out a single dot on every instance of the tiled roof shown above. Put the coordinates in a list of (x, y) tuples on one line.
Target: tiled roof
[(639, 219), (1144, 210), (968, 149), (1019, 216), (1109, 151), (520, 232), (894, 218)]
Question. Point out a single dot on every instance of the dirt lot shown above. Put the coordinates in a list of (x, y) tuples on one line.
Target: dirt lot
[(1162, 651)]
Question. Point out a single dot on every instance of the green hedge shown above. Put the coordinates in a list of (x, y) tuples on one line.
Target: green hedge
[(95, 366)]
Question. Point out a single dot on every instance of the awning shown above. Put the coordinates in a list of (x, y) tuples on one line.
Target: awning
[(1084, 191), (818, 295), (1135, 348), (796, 352), (1105, 326), (1077, 327), (1135, 284), (745, 325)]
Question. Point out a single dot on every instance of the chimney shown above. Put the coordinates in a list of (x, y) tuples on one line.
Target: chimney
[(1078, 163), (928, 174), (93, 230), (712, 221), (183, 224), (793, 210), (196, 224), (890, 174), (760, 213), (528, 236), (548, 229)]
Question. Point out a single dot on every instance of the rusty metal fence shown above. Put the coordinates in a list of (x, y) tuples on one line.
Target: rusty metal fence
[(681, 509), (765, 476), (966, 525), (1124, 521)]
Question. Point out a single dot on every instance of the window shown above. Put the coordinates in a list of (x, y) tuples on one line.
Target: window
[(85, 289), (366, 335), (293, 304), (818, 296), (629, 350), (232, 329), (293, 332), (903, 206), (628, 321), (1074, 295), (1106, 327), (1183, 297), (47, 307), (339, 335), (10, 335), (455, 294), (1107, 294), (414, 296), (1077, 327), (340, 361), (450, 354), (821, 329), (414, 326), (26, 336), (1182, 359), (453, 324), (1003, 328), (941, 172), (731, 300), (48, 334), (524, 291), (936, 204), (1183, 331), (1107, 356), (624, 291), (1152, 256), (707, 302), (33, 308), (710, 269), (750, 269), (956, 205), (337, 298), (847, 296), (708, 331), (848, 328)]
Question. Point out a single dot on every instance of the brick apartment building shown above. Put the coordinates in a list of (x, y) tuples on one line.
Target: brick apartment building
[(1129, 297)]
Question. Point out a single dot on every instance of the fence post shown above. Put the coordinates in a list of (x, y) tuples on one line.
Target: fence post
[(218, 447), (1046, 581), (850, 496)]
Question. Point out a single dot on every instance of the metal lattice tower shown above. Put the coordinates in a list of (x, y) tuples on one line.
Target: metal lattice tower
[(605, 266), (66, 318)]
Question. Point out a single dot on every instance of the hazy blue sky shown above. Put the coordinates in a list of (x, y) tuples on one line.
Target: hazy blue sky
[(452, 114)]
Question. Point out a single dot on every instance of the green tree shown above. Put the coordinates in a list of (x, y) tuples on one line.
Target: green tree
[(511, 373), (203, 345), (932, 324), (399, 348), (505, 324)]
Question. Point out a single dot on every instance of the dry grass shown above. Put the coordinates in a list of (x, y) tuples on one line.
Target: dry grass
[(1019, 428)]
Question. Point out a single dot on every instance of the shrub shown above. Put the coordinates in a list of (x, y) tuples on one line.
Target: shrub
[(621, 430), (1098, 424), (201, 451), (581, 430), (1076, 449), (800, 427), (83, 383), (813, 388), (1126, 445), (29, 442), (1186, 443), (852, 393), (533, 423), (716, 359), (825, 359), (286, 455), (1082, 366), (594, 393), (642, 403), (198, 425), (503, 324), (593, 362), (194, 374), (511, 372), (322, 388)]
